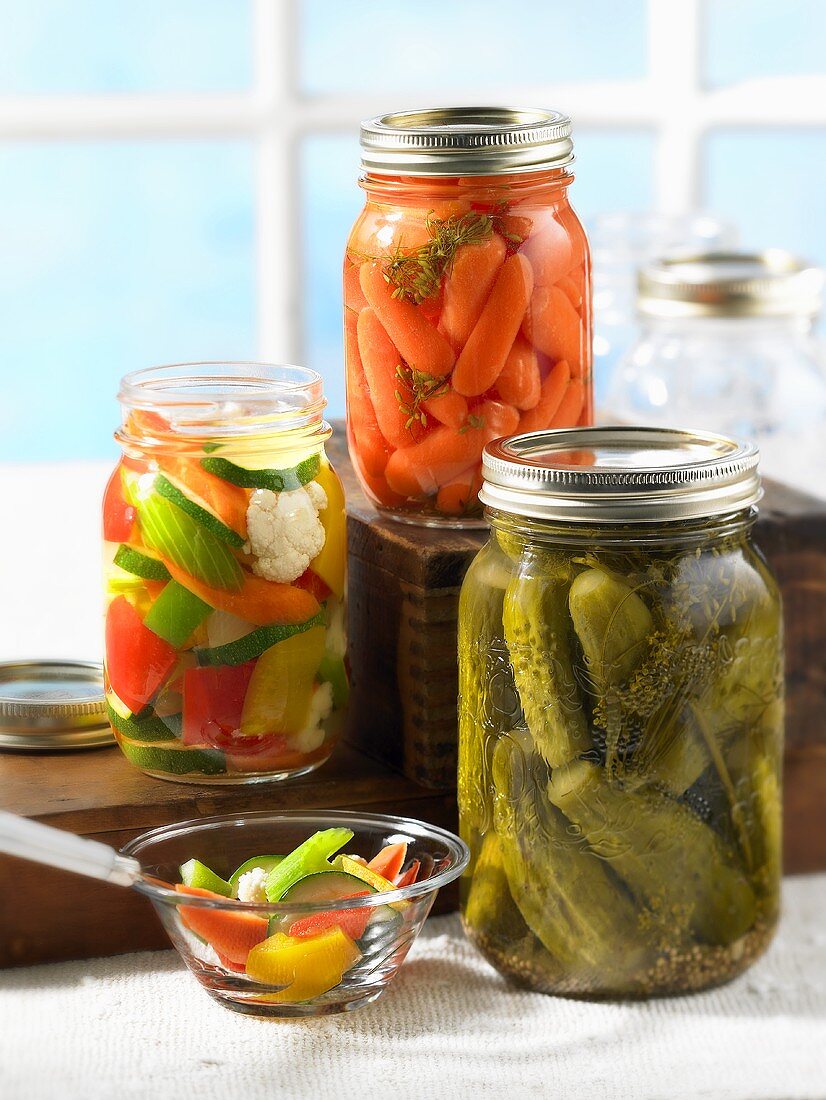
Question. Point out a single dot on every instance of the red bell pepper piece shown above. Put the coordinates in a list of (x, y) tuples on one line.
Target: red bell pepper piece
[(352, 922), (137, 660), (118, 515), (409, 876), (312, 583), (213, 702)]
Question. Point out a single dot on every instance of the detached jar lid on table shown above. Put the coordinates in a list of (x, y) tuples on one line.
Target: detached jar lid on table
[(52, 705)]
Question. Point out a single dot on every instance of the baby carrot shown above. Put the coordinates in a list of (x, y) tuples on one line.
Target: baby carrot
[(550, 253), (572, 288), (420, 344), (468, 285), (554, 326), (370, 444), (483, 356), (553, 391), (446, 453), (379, 492), (567, 414), (519, 383), (381, 369), (353, 294), (454, 499), (448, 408)]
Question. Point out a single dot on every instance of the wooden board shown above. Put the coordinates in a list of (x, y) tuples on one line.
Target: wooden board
[(404, 590), (46, 915)]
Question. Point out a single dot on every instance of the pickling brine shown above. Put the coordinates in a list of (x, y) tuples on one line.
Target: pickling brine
[(466, 305), (225, 558), (621, 725)]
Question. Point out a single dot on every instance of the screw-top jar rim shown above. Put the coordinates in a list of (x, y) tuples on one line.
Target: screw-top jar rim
[(773, 283), (218, 399), (466, 141), (620, 475)]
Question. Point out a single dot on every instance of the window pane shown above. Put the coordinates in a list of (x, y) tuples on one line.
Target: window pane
[(752, 39), (613, 172), (116, 256), (51, 46), (771, 184), (397, 47)]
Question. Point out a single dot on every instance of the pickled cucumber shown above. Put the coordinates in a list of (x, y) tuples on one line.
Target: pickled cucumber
[(488, 701), (669, 859), (613, 625), (538, 636), (568, 897)]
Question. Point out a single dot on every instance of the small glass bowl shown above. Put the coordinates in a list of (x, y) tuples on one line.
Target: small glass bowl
[(224, 843)]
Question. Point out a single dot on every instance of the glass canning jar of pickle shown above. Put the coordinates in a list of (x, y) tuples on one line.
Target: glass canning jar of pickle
[(467, 302), (621, 715), (224, 572)]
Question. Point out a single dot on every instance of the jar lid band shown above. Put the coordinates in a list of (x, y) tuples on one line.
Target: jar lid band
[(773, 283), (466, 141), (619, 475)]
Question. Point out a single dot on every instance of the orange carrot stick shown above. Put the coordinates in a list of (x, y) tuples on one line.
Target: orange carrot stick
[(520, 384), (259, 601), (553, 391), (353, 294), (370, 444), (381, 364), (467, 287), (550, 253), (573, 289), (455, 498), (420, 344), (483, 356), (554, 326), (448, 408), (445, 454), (567, 414), (379, 492)]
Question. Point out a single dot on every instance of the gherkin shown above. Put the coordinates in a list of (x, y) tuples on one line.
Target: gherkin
[(538, 637)]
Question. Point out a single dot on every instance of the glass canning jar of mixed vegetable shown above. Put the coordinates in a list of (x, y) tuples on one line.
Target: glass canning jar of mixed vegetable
[(225, 557), (621, 715), (467, 302)]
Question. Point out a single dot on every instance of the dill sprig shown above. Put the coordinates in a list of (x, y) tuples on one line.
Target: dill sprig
[(417, 275), (417, 387), (473, 421)]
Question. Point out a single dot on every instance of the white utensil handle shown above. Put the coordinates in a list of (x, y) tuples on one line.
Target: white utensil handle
[(43, 844)]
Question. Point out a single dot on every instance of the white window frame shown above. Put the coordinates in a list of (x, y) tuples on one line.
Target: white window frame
[(671, 101)]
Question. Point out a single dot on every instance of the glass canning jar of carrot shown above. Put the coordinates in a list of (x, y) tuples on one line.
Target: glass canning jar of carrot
[(467, 302), (224, 575)]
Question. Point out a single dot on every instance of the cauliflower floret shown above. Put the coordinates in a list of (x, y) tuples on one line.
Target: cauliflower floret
[(309, 739), (251, 885), (285, 532)]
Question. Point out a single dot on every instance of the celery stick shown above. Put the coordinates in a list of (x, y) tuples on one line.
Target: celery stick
[(308, 858)]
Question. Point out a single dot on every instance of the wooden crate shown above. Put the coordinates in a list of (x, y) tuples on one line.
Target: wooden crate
[(404, 590)]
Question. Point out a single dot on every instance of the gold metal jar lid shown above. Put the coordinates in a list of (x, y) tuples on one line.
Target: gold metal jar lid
[(729, 284), (466, 141), (49, 705), (619, 475)]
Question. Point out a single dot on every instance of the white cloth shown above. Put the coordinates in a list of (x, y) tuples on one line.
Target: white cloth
[(140, 1026)]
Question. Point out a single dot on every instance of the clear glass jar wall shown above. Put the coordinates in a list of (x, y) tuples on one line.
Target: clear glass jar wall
[(467, 309), (224, 570), (620, 751)]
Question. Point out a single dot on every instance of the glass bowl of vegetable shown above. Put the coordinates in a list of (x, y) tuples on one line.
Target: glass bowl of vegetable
[(295, 914)]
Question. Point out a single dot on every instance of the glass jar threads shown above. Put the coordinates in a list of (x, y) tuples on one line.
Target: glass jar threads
[(225, 556), (620, 719), (467, 302)]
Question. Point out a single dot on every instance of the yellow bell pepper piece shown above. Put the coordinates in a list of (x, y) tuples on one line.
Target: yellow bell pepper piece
[(366, 874), (306, 967), (331, 563), (282, 685)]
